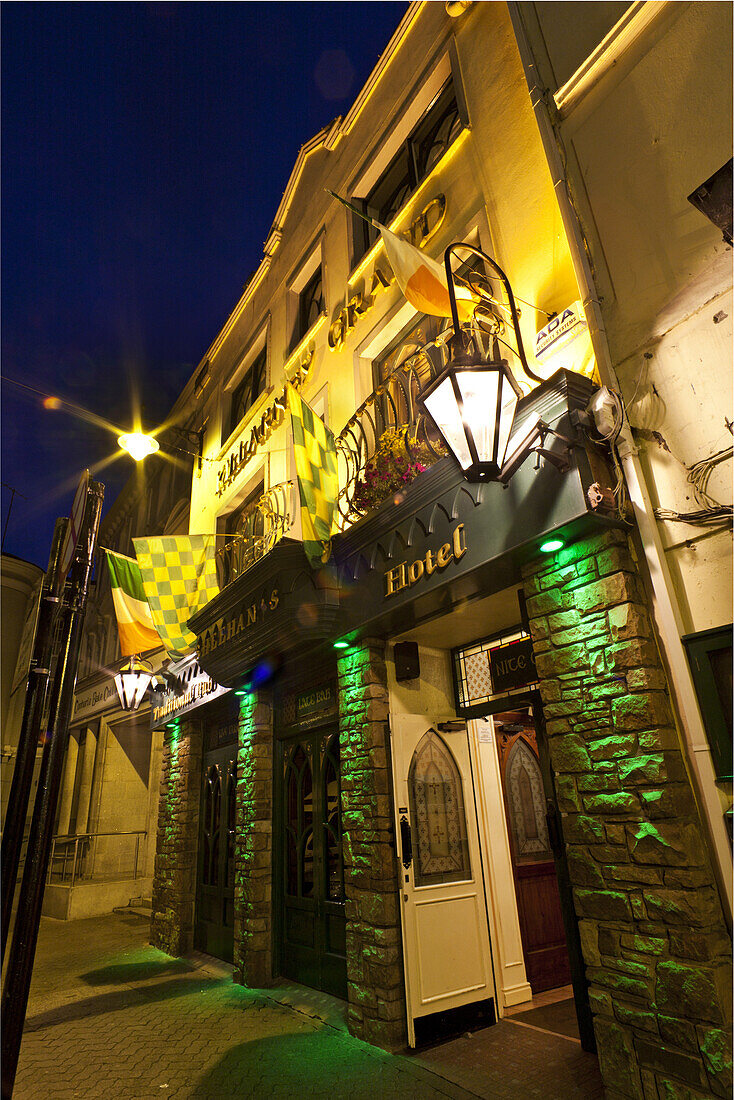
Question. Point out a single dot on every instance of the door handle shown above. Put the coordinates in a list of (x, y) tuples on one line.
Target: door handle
[(554, 828), (406, 842)]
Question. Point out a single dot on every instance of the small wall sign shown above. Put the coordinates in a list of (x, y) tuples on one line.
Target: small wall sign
[(512, 665)]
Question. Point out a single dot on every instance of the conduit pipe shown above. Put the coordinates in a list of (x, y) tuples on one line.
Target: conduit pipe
[(666, 605)]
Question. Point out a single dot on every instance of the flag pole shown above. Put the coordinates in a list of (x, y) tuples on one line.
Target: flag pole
[(354, 209)]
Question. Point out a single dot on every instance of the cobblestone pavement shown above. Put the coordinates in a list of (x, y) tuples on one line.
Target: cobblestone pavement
[(109, 1016)]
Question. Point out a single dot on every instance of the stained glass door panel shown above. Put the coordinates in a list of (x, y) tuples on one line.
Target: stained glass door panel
[(445, 931), (536, 887)]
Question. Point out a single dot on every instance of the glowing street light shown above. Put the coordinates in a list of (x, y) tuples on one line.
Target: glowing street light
[(138, 445)]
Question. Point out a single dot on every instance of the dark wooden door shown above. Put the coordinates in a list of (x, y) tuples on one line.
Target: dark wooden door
[(313, 924), (536, 887), (214, 922)]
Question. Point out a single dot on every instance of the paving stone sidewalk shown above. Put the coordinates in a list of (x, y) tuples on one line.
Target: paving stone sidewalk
[(109, 1016)]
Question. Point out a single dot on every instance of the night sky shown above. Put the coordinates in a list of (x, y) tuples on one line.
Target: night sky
[(145, 150)]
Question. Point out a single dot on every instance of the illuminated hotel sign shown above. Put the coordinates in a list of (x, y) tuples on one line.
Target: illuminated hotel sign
[(421, 230), (272, 418), (405, 575)]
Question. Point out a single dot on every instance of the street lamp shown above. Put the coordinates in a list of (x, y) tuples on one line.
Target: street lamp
[(473, 401), (132, 681), (138, 445)]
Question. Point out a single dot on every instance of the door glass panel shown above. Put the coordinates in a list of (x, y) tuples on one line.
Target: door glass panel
[(299, 824), (441, 851), (212, 811), (526, 804), (230, 823), (334, 870)]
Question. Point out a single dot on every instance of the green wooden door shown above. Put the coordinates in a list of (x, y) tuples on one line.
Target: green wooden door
[(311, 886)]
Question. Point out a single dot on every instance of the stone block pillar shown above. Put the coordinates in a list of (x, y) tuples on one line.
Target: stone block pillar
[(174, 880), (374, 957), (656, 948), (253, 942)]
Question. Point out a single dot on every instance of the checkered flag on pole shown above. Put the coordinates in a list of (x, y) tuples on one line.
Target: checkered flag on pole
[(318, 481), (179, 577)]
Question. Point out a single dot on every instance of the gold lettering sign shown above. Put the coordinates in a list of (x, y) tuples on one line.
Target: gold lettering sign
[(227, 630), (272, 418), (404, 575)]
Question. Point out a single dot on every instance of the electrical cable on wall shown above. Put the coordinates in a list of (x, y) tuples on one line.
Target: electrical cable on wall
[(712, 512)]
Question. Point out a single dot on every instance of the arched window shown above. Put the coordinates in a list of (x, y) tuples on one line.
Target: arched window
[(526, 802), (441, 851)]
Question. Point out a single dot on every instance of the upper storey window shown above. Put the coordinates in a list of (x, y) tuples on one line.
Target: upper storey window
[(306, 298), (417, 155), (248, 389), (310, 303)]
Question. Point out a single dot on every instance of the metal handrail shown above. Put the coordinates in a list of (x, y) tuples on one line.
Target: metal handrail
[(80, 844)]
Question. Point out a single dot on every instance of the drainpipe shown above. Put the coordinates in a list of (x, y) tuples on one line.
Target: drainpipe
[(666, 604)]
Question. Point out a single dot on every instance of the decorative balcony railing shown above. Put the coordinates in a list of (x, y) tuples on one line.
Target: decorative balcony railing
[(260, 526), (388, 442)]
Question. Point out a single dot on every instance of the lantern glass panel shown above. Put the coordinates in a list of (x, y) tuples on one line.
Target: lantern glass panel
[(479, 394), (444, 410)]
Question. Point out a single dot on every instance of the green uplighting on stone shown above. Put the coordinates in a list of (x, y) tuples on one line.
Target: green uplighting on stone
[(550, 545)]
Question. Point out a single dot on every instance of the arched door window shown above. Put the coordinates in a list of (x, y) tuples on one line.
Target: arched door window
[(526, 804), (299, 824), (333, 862), (212, 817), (441, 851)]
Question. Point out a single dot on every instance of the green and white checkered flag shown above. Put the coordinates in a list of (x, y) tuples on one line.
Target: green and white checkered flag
[(318, 482), (179, 577)]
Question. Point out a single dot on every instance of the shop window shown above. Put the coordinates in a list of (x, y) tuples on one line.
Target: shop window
[(426, 143), (710, 658), (248, 389), (437, 812)]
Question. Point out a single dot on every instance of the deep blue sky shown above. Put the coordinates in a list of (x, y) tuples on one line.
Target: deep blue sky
[(145, 149)]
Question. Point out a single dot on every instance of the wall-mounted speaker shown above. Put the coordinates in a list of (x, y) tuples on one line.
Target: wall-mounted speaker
[(407, 662)]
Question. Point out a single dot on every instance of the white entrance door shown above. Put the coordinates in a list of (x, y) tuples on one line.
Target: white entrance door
[(444, 913)]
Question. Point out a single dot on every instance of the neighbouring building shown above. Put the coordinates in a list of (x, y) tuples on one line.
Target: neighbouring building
[(469, 758), (103, 850)]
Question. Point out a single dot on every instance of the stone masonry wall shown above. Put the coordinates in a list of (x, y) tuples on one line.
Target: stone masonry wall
[(374, 958), (253, 947), (174, 878), (655, 944)]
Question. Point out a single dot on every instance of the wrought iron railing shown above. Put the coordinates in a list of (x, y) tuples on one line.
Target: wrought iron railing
[(260, 527), (95, 857), (388, 440)]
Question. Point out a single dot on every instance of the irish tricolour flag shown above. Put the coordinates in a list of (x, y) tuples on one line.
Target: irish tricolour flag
[(421, 278), (134, 619)]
